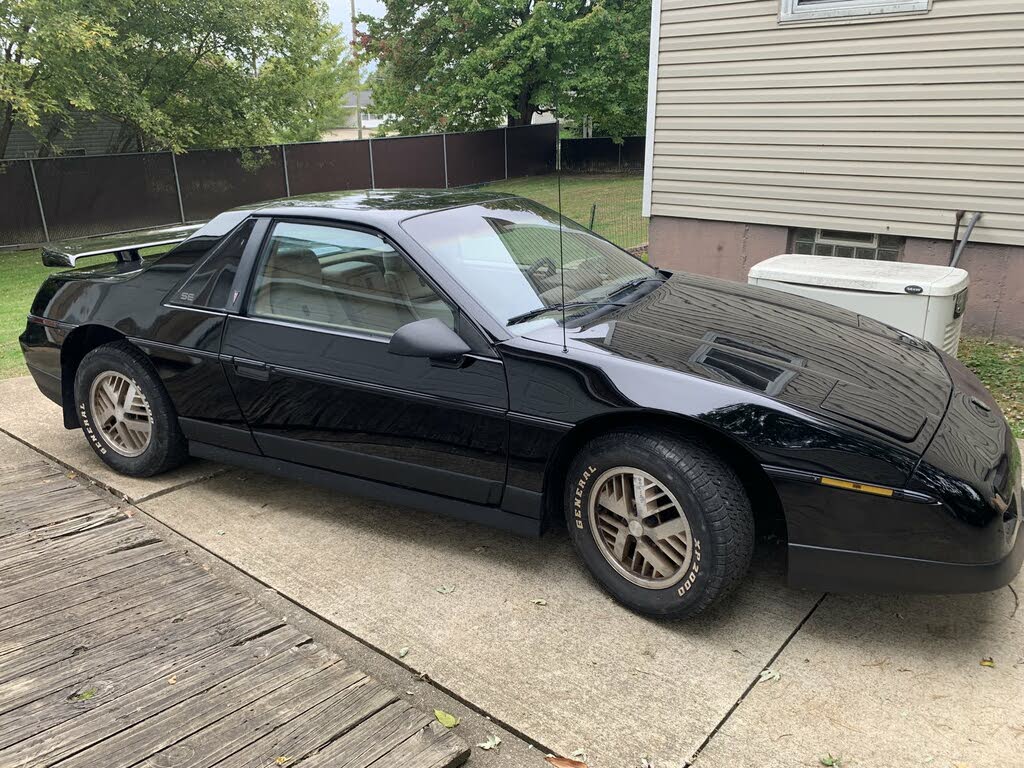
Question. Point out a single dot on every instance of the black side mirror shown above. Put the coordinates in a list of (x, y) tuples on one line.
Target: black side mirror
[(428, 338)]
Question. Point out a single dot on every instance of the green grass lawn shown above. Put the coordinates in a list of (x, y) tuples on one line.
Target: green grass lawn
[(1001, 367), (21, 274), (618, 198)]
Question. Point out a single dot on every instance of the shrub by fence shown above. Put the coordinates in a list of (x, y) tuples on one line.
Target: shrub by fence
[(64, 197)]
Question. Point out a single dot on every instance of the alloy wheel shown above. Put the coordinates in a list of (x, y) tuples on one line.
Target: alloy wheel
[(640, 528), (121, 412)]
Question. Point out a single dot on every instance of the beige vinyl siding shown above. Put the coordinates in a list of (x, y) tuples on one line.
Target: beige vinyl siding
[(886, 125)]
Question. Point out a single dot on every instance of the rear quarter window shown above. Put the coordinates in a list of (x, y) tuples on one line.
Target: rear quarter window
[(209, 285)]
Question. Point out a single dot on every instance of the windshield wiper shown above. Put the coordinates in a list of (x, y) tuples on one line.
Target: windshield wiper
[(523, 317), (634, 283)]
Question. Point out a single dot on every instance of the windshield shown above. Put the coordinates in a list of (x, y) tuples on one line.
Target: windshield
[(506, 254)]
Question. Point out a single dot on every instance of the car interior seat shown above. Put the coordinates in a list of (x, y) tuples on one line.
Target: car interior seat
[(292, 287)]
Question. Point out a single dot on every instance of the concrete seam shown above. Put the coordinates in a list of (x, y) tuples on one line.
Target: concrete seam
[(785, 643)]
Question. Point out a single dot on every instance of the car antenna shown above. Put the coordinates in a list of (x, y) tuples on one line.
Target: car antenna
[(561, 256)]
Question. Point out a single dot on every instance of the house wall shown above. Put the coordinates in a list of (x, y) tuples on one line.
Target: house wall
[(886, 125), (995, 306), (96, 136)]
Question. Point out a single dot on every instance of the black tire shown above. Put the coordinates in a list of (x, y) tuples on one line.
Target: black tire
[(167, 447), (711, 497)]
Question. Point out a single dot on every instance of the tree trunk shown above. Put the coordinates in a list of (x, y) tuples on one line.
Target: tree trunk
[(5, 128), (46, 145), (524, 109)]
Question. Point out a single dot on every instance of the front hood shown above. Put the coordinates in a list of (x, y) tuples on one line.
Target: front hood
[(805, 353)]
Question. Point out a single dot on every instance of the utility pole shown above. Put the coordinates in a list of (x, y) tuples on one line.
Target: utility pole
[(359, 85)]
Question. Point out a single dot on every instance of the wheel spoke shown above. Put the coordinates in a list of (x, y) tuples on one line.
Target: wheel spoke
[(121, 413), (675, 527), (663, 566), (640, 528), (612, 497)]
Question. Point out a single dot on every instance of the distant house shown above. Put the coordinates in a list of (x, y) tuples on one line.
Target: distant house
[(88, 135), (840, 127), (348, 129)]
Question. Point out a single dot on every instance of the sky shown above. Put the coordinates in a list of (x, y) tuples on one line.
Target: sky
[(341, 11)]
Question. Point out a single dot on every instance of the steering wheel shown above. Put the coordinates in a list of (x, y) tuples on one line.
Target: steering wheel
[(543, 261)]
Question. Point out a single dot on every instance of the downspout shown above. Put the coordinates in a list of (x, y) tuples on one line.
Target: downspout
[(967, 236)]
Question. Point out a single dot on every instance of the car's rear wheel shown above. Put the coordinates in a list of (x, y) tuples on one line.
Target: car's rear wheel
[(125, 412), (661, 522)]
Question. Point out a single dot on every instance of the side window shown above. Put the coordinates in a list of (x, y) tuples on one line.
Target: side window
[(341, 278), (210, 284)]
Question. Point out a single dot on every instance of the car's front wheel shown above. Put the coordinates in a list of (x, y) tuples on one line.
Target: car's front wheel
[(662, 522), (125, 412)]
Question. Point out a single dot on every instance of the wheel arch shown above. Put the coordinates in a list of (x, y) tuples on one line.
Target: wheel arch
[(768, 511), (80, 342)]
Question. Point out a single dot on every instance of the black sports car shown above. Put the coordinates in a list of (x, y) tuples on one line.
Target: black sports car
[(462, 352)]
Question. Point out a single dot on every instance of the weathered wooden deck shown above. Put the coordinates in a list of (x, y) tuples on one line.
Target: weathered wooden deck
[(117, 650)]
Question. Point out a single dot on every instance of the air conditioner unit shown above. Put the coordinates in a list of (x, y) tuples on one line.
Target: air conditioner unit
[(924, 300)]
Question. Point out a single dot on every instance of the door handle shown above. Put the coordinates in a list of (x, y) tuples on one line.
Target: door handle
[(257, 371)]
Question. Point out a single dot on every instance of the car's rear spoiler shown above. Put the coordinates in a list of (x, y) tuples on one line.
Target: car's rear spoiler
[(125, 246)]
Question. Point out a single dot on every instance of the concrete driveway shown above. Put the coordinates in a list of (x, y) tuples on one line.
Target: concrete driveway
[(874, 681)]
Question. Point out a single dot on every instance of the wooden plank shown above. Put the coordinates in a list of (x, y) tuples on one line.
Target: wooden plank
[(33, 704), (371, 739), (129, 745), (38, 542), (120, 713), (12, 595), (262, 717), (69, 509), (143, 624), (148, 590), (83, 555), (114, 649), (433, 747), (47, 603), (316, 728)]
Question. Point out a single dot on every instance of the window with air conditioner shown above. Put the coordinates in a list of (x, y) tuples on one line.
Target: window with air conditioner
[(827, 10)]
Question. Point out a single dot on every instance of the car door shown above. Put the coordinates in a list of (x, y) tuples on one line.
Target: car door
[(308, 360)]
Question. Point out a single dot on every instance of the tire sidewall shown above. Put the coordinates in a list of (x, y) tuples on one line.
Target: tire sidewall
[(112, 358), (685, 596)]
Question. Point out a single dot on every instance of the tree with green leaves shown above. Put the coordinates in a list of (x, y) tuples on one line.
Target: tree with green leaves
[(466, 64), (174, 74)]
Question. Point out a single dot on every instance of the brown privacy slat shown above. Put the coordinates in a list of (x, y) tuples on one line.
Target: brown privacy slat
[(19, 222), (415, 161), (328, 166), (93, 195), (531, 150), (475, 158), (114, 649), (213, 181)]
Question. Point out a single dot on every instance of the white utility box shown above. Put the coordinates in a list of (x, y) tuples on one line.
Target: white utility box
[(921, 299)]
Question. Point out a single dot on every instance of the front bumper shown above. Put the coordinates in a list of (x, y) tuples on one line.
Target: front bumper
[(954, 527), (837, 570)]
